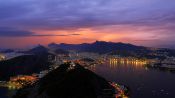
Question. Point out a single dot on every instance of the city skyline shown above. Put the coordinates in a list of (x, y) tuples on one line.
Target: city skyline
[(31, 22)]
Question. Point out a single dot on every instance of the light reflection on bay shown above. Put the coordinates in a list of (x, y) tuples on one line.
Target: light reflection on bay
[(143, 82)]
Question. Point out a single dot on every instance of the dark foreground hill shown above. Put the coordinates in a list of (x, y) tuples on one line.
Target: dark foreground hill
[(26, 64), (33, 61), (69, 82)]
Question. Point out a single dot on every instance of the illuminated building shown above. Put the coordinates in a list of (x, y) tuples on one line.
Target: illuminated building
[(2, 57)]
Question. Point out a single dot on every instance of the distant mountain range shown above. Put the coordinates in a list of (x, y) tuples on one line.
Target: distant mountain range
[(112, 48), (100, 47)]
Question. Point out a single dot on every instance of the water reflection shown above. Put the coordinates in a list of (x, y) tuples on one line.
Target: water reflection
[(127, 64), (143, 82)]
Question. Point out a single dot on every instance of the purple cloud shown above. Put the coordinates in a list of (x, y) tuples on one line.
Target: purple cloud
[(158, 16), (62, 14), (9, 32)]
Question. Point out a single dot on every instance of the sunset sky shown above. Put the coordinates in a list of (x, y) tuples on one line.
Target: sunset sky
[(24, 23)]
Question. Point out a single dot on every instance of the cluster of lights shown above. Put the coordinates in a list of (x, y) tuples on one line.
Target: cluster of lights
[(2, 57), (121, 93), (133, 61), (20, 81)]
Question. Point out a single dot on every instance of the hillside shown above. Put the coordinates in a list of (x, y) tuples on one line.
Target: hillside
[(68, 83), (26, 64)]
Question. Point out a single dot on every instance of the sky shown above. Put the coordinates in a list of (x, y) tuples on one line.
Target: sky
[(24, 23)]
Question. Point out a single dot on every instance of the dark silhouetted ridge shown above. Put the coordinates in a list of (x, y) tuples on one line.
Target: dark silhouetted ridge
[(69, 83)]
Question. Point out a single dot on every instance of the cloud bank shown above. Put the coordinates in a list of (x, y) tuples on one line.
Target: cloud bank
[(150, 17)]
